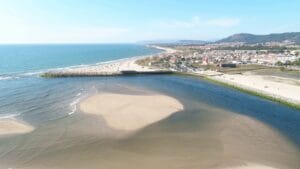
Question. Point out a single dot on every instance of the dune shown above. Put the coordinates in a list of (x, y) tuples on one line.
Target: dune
[(130, 112), (13, 126)]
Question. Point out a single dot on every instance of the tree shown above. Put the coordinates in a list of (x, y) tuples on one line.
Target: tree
[(297, 62), (279, 63)]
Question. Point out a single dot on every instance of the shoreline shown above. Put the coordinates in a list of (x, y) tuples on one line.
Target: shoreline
[(118, 67), (128, 66), (253, 92)]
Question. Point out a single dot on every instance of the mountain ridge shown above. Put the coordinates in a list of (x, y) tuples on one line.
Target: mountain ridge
[(248, 38)]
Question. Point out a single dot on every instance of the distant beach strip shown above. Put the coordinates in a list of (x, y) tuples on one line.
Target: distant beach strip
[(119, 67)]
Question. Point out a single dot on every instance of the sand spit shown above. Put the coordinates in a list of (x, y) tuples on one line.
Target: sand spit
[(118, 67), (12, 126), (166, 49), (131, 112), (127, 66), (275, 87)]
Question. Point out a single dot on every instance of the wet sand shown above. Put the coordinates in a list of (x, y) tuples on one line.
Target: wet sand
[(199, 136), (131, 112), (243, 136), (12, 126)]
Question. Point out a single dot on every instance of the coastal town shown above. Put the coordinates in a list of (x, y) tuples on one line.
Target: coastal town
[(160, 84), (218, 57), (270, 70)]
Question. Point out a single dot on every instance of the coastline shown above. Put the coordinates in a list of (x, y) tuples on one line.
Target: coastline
[(111, 68), (288, 98), (128, 66), (252, 91), (197, 136)]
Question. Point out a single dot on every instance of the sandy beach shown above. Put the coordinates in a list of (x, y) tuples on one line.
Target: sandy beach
[(277, 87), (166, 49), (131, 112), (12, 126), (111, 68)]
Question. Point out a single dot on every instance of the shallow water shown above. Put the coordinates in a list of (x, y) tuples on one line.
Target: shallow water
[(219, 127)]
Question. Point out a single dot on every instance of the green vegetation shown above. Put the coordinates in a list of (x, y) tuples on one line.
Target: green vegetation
[(270, 49), (253, 39), (243, 68), (278, 63), (251, 92), (154, 62), (255, 93), (297, 62)]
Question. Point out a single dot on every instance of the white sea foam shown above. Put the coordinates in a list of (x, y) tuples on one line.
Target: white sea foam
[(5, 78), (74, 108), (34, 73), (73, 111), (8, 116), (74, 103), (8, 77)]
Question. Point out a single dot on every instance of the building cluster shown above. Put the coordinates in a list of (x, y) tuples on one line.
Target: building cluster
[(197, 57)]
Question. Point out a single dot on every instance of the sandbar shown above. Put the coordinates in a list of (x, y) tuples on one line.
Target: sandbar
[(13, 126), (130, 112)]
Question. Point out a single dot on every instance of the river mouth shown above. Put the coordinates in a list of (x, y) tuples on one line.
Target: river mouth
[(218, 128)]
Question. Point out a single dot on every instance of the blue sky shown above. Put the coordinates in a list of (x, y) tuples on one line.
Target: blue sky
[(118, 21)]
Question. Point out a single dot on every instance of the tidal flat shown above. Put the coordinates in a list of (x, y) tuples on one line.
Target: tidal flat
[(218, 128)]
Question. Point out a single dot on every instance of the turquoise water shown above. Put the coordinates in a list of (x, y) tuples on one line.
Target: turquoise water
[(16, 59), (62, 132), (20, 66)]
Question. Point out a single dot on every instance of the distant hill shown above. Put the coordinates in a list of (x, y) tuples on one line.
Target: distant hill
[(252, 39), (192, 42), (175, 42)]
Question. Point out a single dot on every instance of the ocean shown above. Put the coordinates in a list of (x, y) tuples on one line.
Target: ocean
[(218, 127)]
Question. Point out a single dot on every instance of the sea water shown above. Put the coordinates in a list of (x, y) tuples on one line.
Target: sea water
[(211, 132)]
